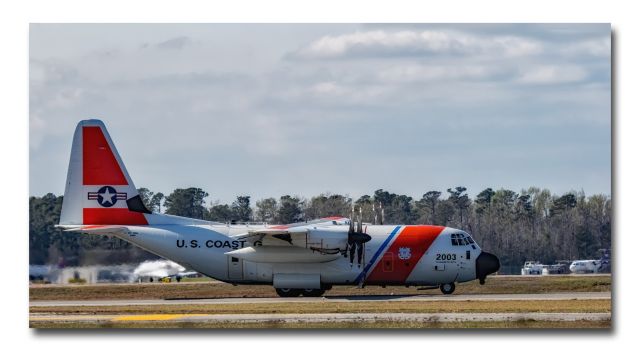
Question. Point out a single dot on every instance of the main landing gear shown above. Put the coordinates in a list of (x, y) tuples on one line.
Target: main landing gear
[(312, 292), (286, 292), (447, 288)]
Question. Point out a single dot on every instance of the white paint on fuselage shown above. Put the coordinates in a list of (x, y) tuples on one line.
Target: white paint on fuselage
[(202, 247), (461, 269)]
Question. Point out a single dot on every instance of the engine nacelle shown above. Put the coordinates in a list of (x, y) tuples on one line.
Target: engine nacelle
[(328, 240)]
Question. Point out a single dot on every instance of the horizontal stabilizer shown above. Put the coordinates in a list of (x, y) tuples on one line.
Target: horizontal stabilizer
[(95, 229)]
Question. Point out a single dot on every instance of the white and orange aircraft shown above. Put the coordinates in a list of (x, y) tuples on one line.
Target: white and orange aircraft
[(301, 258)]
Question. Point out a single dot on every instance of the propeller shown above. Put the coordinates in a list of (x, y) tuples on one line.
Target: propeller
[(356, 234), (356, 238)]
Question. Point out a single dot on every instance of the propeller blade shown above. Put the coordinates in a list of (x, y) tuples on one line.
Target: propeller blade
[(375, 214)]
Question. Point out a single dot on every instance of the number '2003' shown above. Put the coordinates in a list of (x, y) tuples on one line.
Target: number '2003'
[(446, 257)]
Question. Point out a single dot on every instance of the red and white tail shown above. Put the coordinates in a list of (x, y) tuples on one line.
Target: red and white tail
[(99, 189)]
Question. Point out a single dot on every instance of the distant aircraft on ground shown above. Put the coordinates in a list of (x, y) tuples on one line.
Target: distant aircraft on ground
[(301, 258), (159, 269), (585, 266)]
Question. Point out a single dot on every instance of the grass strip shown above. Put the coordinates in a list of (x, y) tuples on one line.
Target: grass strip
[(603, 305)]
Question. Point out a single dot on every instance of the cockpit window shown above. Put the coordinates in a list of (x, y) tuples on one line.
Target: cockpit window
[(460, 239)]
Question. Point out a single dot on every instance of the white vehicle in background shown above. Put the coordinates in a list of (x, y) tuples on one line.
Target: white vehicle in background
[(532, 268), (558, 268), (585, 266)]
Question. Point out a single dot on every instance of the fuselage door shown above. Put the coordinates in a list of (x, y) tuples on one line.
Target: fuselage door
[(387, 262), (235, 268)]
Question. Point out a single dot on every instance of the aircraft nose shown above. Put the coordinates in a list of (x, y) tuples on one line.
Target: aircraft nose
[(486, 264)]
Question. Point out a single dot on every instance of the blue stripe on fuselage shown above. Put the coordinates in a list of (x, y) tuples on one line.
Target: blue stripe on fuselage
[(375, 257)]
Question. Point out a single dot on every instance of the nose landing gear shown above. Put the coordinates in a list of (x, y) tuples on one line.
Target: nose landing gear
[(447, 288)]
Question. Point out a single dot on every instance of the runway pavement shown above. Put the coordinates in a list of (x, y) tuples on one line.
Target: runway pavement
[(51, 318), (368, 298), (327, 317)]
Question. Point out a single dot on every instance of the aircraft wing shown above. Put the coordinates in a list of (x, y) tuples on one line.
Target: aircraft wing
[(326, 221), (288, 232), (281, 231), (285, 234), (321, 240)]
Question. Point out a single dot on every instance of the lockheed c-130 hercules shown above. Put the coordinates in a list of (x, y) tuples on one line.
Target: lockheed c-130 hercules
[(300, 258)]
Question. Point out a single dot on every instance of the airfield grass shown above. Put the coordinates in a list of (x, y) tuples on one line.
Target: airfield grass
[(521, 324), (215, 289), (509, 306)]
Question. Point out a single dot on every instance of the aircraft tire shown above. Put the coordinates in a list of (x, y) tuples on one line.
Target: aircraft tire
[(313, 292), (447, 288), (286, 292)]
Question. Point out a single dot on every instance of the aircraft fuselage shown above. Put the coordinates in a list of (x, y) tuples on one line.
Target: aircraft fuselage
[(395, 255)]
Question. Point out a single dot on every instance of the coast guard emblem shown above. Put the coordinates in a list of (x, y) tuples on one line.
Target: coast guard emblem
[(404, 253)]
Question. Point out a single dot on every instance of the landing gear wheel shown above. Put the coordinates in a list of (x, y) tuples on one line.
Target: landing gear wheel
[(447, 288), (286, 292), (312, 292)]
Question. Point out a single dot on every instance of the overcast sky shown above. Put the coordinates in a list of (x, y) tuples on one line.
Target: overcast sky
[(267, 110)]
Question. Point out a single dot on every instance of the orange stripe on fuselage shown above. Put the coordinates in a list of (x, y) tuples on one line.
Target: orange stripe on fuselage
[(391, 269)]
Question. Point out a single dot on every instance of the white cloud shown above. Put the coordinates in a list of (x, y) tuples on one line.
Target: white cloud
[(550, 74), (327, 88), (174, 43), (420, 73), (406, 43), (596, 47), (37, 129)]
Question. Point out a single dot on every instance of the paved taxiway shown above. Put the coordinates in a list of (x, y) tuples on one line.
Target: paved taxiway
[(324, 317), (367, 298), (327, 317)]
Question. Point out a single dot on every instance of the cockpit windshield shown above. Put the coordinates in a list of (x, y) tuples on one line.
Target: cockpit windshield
[(461, 239)]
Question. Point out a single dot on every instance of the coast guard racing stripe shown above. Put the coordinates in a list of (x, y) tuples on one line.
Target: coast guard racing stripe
[(403, 255)]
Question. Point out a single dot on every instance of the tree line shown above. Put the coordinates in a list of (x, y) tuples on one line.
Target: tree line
[(532, 224)]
